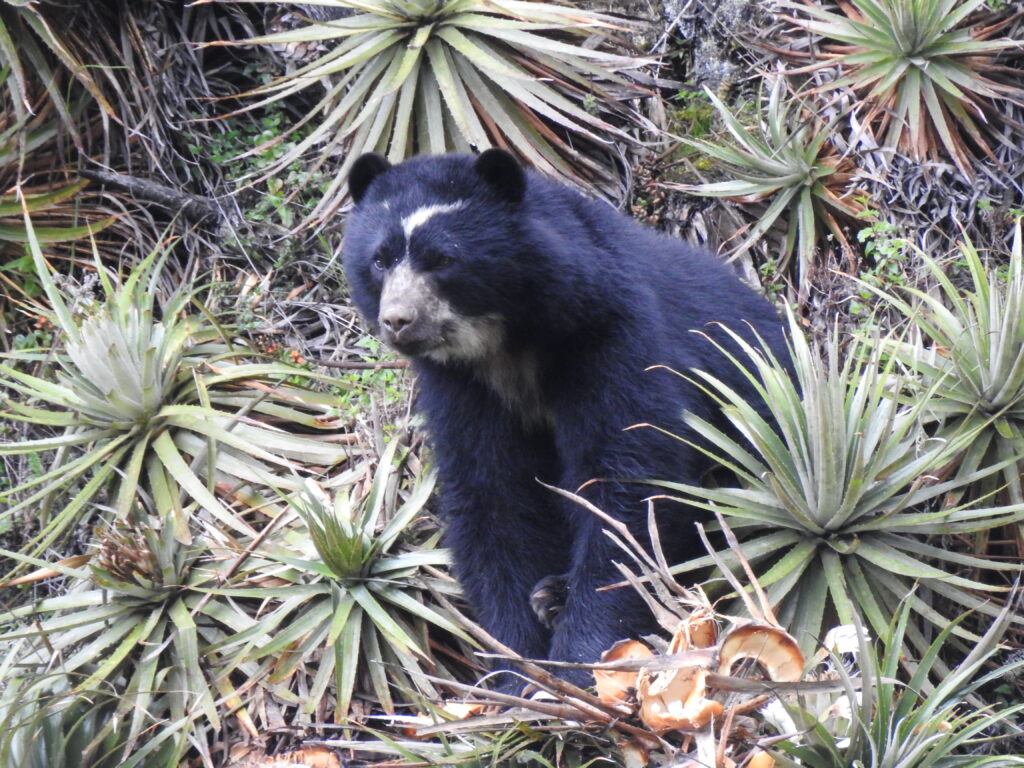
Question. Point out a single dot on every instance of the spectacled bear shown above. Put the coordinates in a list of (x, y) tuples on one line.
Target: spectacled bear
[(531, 315)]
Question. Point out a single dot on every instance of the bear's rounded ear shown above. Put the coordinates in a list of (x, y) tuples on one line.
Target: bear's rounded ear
[(364, 170), (502, 173)]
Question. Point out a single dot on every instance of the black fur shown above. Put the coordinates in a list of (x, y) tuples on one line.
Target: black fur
[(589, 300), (364, 170), (503, 173)]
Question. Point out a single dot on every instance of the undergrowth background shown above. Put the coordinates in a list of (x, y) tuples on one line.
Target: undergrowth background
[(216, 543)]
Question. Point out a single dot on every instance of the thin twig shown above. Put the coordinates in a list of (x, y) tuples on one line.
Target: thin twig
[(358, 365), (762, 597)]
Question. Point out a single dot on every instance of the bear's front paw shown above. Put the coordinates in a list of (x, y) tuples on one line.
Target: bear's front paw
[(548, 598)]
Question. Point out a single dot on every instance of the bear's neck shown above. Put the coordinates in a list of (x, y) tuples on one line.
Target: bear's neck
[(515, 378)]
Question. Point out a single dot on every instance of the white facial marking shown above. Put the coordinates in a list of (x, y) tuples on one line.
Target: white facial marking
[(408, 292), (402, 283), (467, 339), (413, 294), (514, 378), (422, 215), (478, 341)]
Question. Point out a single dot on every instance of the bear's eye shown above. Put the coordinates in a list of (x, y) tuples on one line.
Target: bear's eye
[(378, 263), (440, 260)]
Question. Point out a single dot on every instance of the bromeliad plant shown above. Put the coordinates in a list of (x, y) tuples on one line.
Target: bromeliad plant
[(441, 75), (61, 730), (928, 69), (131, 625), (150, 404), (878, 720), (837, 496), (788, 162), (356, 610), (973, 360)]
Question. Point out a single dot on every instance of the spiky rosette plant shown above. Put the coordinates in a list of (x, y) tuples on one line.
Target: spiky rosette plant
[(928, 71), (441, 75), (59, 729), (133, 624), (837, 502), (788, 165), (875, 719), (356, 612), (969, 353), (151, 405)]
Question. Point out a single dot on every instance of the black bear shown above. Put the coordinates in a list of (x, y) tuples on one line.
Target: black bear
[(532, 315)]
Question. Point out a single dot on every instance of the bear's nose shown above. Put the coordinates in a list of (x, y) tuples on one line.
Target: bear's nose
[(395, 319)]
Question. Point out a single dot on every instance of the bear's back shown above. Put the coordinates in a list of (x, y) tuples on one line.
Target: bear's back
[(691, 289)]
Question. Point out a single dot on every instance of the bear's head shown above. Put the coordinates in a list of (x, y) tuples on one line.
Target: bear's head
[(433, 251)]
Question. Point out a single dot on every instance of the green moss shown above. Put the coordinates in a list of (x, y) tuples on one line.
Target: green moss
[(692, 116)]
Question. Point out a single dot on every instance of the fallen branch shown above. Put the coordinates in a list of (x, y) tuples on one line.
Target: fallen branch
[(193, 207)]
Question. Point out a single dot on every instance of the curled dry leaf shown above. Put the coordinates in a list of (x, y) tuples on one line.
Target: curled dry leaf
[(456, 710), (460, 710), (634, 755), (774, 649), (761, 759), (698, 630), (614, 685), (677, 699)]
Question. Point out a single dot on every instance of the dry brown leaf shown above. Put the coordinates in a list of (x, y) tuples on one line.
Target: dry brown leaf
[(614, 686), (773, 648), (677, 700), (47, 573), (698, 630)]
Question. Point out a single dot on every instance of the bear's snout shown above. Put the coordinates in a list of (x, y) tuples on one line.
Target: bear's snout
[(395, 319), (405, 330), (412, 314)]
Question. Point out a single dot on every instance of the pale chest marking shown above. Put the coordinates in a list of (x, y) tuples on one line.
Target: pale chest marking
[(515, 379)]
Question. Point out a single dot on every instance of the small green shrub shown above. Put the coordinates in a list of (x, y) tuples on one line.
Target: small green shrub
[(274, 202)]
